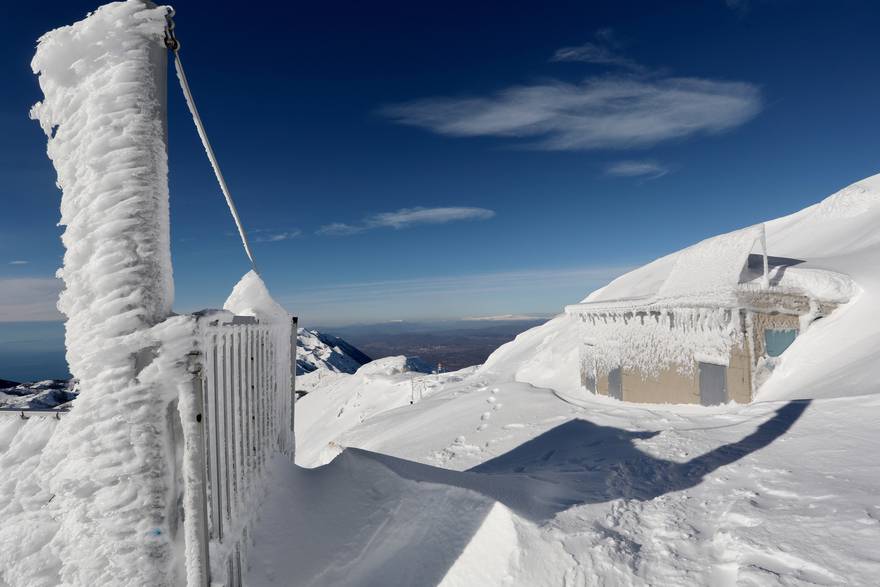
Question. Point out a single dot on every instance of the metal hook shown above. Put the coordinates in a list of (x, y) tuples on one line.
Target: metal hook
[(170, 40)]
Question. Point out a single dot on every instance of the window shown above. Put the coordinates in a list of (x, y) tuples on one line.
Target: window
[(777, 340)]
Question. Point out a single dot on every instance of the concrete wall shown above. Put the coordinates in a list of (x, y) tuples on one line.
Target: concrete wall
[(672, 387), (739, 375)]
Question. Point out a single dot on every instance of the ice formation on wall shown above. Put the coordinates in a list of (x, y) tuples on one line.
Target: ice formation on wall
[(650, 340)]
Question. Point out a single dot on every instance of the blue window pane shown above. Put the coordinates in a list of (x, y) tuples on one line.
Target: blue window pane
[(776, 341)]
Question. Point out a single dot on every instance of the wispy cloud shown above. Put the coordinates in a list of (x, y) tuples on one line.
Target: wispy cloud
[(641, 169), (29, 298), (406, 217), (614, 112), (602, 52), (639, 108), (340, 229), (265, 235), (19, 262)]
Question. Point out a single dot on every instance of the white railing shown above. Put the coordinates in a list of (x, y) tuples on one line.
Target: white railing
[(242, 416)]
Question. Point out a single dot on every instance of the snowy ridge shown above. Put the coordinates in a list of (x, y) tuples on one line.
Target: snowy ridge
[(318, 350), (50, 393)]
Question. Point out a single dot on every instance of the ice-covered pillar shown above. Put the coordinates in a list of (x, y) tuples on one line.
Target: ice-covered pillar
[(104, 113)]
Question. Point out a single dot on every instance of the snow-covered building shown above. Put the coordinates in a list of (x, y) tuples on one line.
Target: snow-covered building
[(706, 325)]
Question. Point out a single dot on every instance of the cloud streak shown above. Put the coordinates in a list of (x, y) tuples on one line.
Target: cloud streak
[(29, 299), (642, 169), (264, 235), (597, 54), (406, 217), (613, 112)]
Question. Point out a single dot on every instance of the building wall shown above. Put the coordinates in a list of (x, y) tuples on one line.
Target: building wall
[(669, 386), (672, 387), (602, 385), (767, 310), (739, 375)]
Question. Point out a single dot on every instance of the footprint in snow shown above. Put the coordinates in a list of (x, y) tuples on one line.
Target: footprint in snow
[(491, 400), (486, 416)]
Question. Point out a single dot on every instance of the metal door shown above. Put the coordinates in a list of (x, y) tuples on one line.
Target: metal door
[(615, 384), (713, 384)]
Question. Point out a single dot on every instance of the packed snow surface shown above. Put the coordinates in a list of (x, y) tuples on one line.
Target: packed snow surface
[(593, 492)]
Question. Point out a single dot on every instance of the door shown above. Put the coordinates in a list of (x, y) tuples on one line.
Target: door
[(615, 384), (713, 384)]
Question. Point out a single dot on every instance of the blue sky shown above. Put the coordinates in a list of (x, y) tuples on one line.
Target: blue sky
[(414, 161)]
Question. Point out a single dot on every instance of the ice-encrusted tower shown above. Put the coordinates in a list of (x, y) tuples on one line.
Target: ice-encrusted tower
[(107, 468)]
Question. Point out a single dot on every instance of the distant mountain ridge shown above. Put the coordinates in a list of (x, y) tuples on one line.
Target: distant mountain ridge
[(318, 350), (49, 393), (315, 351)]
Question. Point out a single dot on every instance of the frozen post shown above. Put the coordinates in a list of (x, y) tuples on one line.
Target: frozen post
[(103, 112)]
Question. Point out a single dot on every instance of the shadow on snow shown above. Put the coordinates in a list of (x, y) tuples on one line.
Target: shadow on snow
[(372, 519), (580, 462)]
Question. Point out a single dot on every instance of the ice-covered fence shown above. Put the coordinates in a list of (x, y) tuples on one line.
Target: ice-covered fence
[(26, 413), (240, 416)]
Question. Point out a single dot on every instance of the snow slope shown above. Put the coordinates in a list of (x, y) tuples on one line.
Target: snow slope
[(544, 492), (345, 400)]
